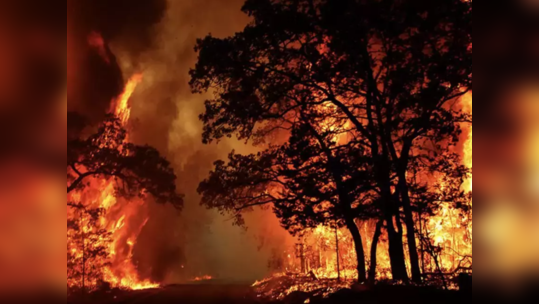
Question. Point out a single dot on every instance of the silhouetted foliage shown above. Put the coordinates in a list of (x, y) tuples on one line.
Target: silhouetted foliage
[(138, 170), (352, 94), (309, 181)]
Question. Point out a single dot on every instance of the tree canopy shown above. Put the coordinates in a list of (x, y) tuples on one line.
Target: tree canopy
[(344, 98)]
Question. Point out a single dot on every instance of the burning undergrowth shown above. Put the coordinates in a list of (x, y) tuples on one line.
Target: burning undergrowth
[(283, 285)]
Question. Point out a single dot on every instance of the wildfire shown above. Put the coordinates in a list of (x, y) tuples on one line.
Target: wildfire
[(117, 228), (323, 254)]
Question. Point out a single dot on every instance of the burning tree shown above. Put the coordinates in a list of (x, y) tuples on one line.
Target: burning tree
[(353, 95), (102, 169), (107, 154)]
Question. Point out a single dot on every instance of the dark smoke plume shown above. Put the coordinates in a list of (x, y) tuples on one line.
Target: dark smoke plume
[(127, 22)]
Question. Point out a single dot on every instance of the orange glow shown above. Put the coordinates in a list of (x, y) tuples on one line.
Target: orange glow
[(450, 228)]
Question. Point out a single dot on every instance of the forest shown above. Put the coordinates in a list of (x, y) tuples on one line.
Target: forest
[(358, 116)]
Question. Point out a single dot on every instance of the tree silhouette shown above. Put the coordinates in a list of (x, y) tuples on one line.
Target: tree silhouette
[(87, 245), (138, 170), (309, 181), (384, 74)]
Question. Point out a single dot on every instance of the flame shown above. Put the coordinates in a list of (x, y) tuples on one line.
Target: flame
[(121, 219), (122, 109)]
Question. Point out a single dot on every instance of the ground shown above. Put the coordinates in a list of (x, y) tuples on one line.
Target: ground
[(238, 294), (189, 294)]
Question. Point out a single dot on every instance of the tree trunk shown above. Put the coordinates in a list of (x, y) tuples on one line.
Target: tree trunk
[(83, 237), (374, 251), (360, 252), (302, 258), (396, 253), (396, 246), (335, 168), (388, 206), (410, 230), (337, 252)]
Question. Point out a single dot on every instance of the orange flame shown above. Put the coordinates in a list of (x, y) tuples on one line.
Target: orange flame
[(122, 109), (122, 219)]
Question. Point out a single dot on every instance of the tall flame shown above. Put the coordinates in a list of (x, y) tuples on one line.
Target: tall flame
[(122, 219)]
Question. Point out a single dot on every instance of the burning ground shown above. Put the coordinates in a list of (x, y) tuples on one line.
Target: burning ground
[(141, 156)]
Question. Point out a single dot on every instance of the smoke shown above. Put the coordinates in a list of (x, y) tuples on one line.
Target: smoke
[(129, 23), (199, 242), (157, 38)]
